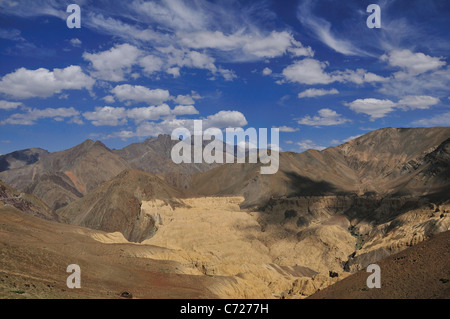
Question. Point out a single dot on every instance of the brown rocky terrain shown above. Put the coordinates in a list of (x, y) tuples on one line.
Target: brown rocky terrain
[(388, 161), (32, 205), (323, 217), (116, 205), (175, 263), (154, 156), (21, 158), (34, 255), (61, 177), (419, 272), (238, 261)]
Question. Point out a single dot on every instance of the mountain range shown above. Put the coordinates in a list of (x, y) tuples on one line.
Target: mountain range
[(332, 211), (389, 161)]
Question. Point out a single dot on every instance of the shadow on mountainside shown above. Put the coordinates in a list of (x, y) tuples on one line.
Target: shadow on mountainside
[(304, 186)]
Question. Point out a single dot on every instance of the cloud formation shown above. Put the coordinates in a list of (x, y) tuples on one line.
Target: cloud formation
[(43, 83), (326, 117), (377, 108), (139, 93), (304, 145), (287, 129), (221, 120), (6, 105), (437, 120), (412, 63), (33, 115), (311, 71), (322, 29), (316, 92), (115, 63)]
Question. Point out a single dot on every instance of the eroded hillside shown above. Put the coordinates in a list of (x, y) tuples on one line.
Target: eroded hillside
[(324, 216)]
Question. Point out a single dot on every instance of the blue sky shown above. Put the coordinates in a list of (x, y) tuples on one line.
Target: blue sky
[(139, 68)]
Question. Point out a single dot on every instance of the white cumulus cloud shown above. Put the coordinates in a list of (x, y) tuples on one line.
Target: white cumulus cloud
[(375, 108), (185, 110), (267, 71), (311, 71), (107, 115), (326, 117), (6, 105), (188, 99), (115, 63), (418, 101), (138, 93), (33, 115), (224, 119), (24, 83), (287, 129), (316, 92), (412, 63), (151, 113)]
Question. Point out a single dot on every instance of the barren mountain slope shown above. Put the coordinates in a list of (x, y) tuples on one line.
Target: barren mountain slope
[(30, 204), (386, 161), (85, 166), (116, 205), (330, 212), (213, 237), (34, 255), (419, 272), (21, 158), (393, 160), (154, 156), (54, 188)]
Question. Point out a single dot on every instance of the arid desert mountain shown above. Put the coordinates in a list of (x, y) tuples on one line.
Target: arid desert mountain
[(21, 158), (206, 248), (115, 206), (61, 177), (388, 161), (324, 217), (34, 255), (9, 197), (154, 156), (418, 272)]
